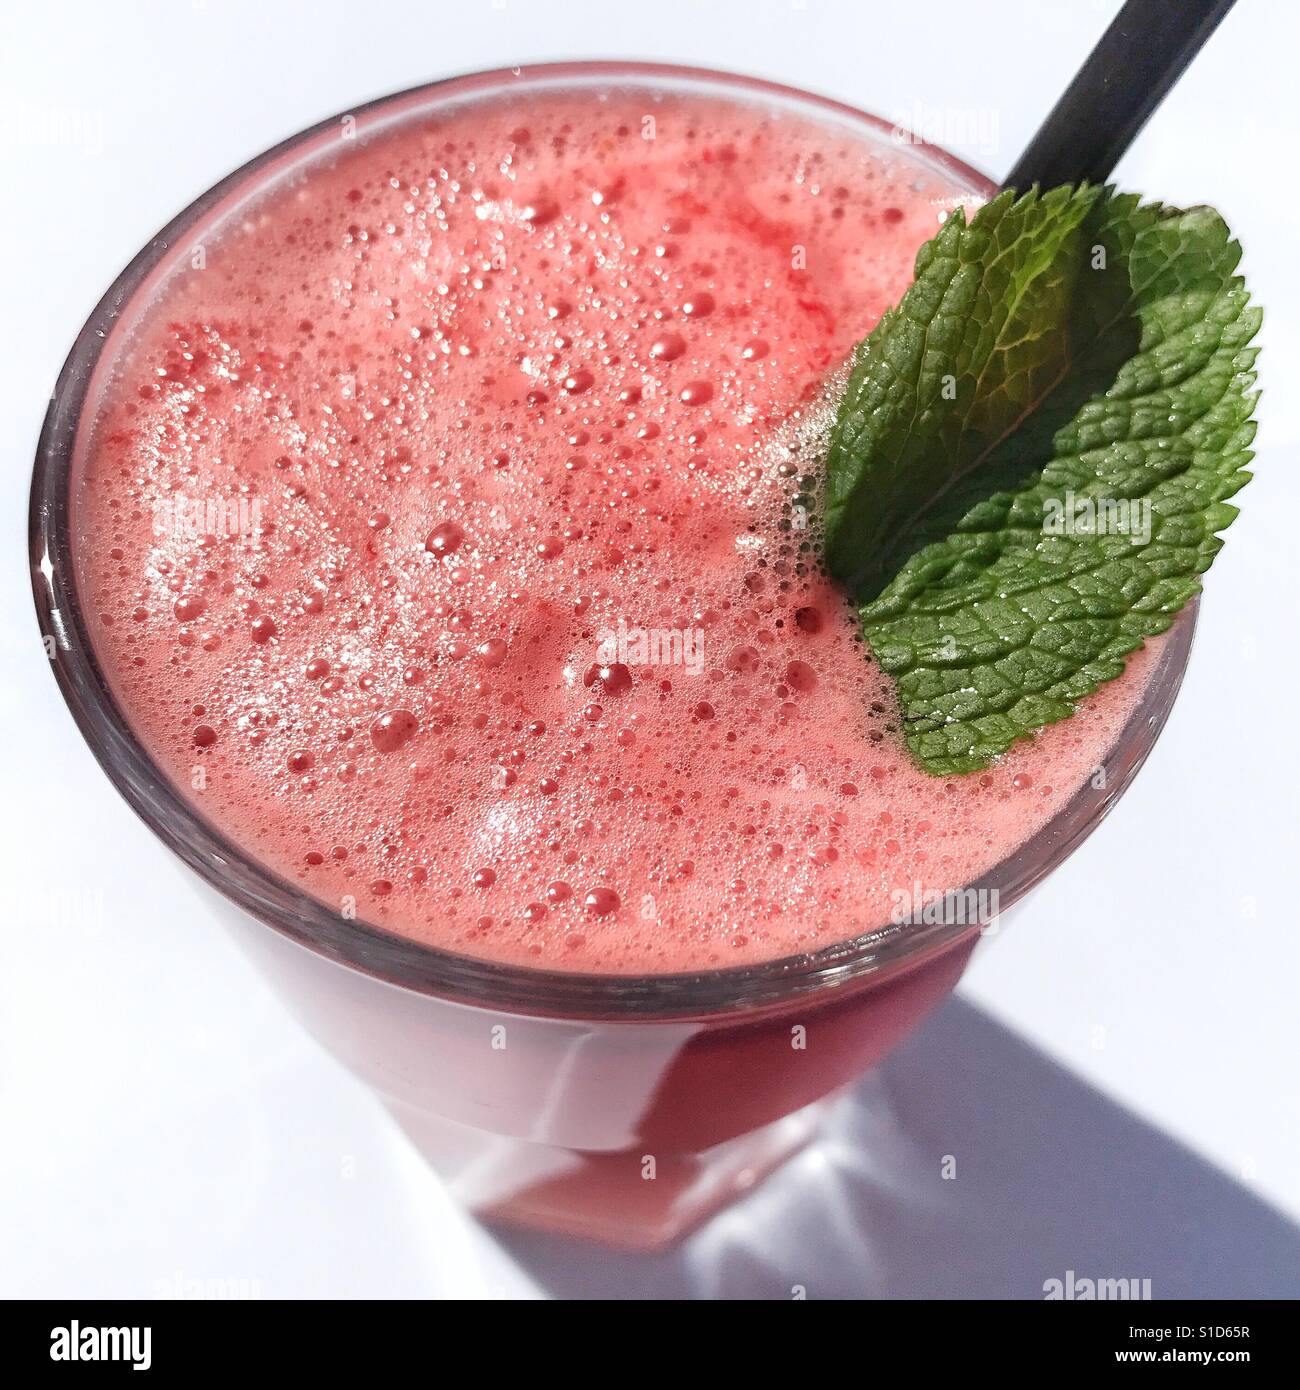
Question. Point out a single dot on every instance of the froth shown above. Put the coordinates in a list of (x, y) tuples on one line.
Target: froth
[(448, 537)]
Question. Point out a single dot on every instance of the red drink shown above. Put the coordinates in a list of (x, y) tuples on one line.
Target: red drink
[(443, 535)]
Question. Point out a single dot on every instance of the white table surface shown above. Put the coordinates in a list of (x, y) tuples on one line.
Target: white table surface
[(164, 1126)]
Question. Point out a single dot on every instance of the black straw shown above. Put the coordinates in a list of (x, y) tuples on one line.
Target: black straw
[(1127, 75)]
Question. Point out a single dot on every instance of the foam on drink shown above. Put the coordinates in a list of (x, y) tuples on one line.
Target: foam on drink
[(448, 537)]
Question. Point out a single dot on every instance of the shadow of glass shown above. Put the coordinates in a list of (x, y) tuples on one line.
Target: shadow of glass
[(968, 1165)]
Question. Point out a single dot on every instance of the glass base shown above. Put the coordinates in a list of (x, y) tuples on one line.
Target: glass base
[(635, 1200)]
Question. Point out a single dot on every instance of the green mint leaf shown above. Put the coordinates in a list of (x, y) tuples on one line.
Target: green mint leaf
[(1033, 455)]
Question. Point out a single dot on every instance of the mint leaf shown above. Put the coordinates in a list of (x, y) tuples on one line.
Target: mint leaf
[(1032, 457)]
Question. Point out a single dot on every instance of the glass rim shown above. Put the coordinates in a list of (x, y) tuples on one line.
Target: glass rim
[(869, 957)]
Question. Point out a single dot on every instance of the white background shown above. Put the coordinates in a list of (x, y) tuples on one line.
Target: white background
[(163, 1122)]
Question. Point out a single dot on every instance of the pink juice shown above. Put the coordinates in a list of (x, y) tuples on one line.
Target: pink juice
[(443, 536), (443, 521)]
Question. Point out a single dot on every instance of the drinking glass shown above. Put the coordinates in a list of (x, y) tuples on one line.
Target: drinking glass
[(617, 1107)]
